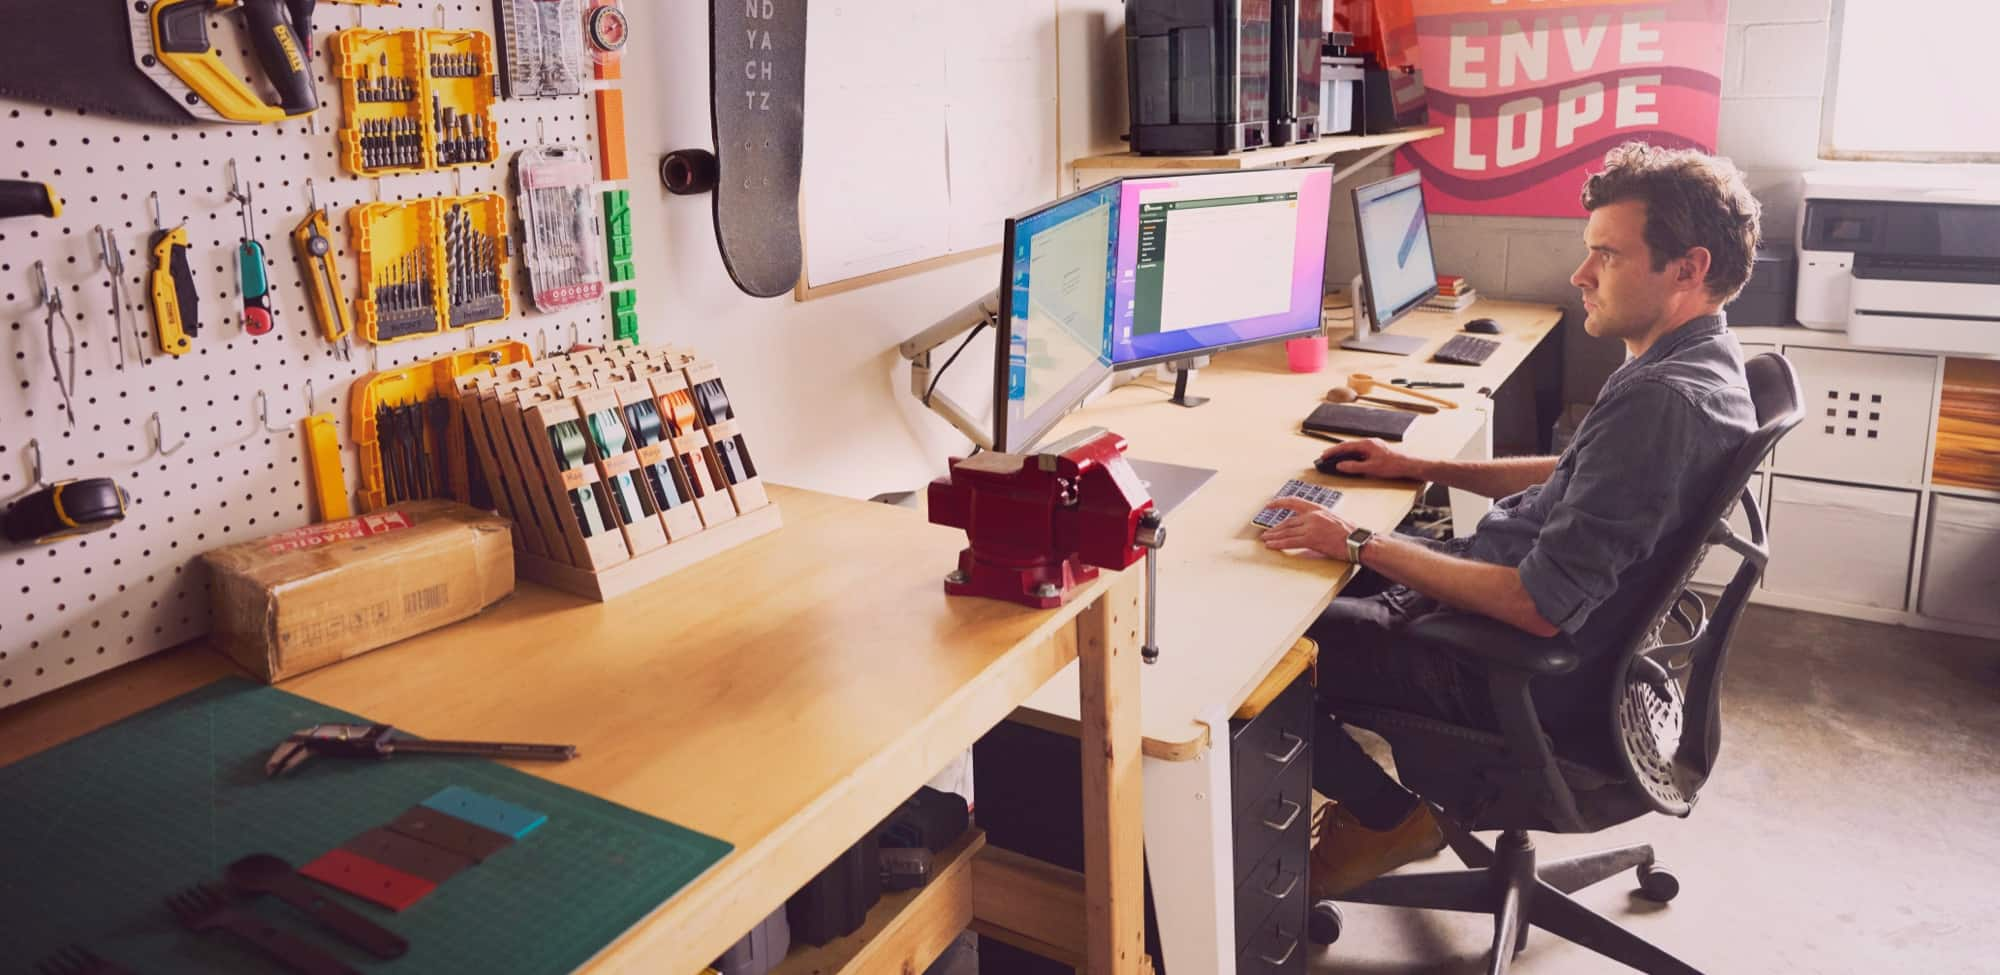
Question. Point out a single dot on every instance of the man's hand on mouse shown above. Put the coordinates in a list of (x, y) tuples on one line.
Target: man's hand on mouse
[(1372, 458), (1310, 526)]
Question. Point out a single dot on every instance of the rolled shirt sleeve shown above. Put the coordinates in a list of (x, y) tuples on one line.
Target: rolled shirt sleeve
[(1625, 493)]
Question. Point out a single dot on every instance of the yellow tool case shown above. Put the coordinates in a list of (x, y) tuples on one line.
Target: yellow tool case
[(415, 100)]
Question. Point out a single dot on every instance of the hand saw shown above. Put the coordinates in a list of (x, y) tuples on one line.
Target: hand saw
[(166, 68)]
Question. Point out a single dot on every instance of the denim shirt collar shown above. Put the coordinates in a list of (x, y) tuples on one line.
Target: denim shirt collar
[(1692, 330)]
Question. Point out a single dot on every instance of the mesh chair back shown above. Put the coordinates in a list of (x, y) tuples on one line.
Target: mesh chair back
[(1666, 710)]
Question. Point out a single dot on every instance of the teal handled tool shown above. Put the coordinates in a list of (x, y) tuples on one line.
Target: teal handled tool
[(251, 275)]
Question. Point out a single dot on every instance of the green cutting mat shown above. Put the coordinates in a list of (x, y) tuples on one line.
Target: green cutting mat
[(96, 832)]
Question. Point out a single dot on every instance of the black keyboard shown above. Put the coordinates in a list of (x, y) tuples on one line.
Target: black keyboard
[(1318, 494), (1465, 350)]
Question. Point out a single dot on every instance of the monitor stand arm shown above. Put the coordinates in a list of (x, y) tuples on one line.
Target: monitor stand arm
[(1367, 338), (984, 309)]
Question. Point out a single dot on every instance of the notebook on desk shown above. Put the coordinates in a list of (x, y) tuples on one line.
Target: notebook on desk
[(1364, 421)]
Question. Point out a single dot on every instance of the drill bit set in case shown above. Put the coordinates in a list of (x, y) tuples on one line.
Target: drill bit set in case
[(415, 100), (430, 265)]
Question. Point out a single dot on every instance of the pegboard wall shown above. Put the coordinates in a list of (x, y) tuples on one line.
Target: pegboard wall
[(217, 472)]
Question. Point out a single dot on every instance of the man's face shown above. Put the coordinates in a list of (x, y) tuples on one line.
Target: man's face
[(1622, 295)]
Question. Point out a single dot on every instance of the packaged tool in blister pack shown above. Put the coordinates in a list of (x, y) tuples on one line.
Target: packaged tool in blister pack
[(383, 94), (543, 47), (561, 233), (393, 244), (460, 70)]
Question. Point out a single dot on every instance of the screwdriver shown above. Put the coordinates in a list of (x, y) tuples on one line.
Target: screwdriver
[(176, 307)]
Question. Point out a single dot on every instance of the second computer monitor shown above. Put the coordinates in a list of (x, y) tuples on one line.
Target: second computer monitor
[(1398, 271), (1212, 261)]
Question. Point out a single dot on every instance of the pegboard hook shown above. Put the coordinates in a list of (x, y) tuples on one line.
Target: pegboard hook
[(35, 461), (312, 196), (541, 343), (159, 447), (541, 131), (264, 413), (440, 16), (311, 400), (235, 186)]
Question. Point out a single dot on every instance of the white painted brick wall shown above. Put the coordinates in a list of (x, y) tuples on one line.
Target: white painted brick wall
[(1783, 59), (1779, 11), (1769, 133)]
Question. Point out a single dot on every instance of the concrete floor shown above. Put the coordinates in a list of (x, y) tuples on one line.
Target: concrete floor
[(1850, 826)]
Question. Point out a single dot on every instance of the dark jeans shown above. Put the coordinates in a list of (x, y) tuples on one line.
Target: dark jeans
[(1364, 659)]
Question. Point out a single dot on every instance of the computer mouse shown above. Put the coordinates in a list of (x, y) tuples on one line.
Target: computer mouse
[(1484, 326), (1330, 464)]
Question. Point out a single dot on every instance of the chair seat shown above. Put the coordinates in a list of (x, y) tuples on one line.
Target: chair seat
[(1434, 757)]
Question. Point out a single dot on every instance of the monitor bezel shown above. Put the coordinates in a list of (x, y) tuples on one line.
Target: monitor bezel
[(1371, 307), (1003, 336)]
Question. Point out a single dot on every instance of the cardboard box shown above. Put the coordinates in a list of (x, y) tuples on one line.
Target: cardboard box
[(300, 600)]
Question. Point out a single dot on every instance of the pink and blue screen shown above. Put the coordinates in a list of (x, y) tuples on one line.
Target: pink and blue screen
[(1213, 260)]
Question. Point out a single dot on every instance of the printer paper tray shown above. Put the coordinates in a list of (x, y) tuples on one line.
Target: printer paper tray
[(1931, 316)]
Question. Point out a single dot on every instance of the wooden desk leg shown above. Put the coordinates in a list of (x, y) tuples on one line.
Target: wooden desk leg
[(1108, 639)]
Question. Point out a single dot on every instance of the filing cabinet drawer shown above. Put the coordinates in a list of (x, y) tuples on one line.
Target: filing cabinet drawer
[(1276, 885), (1280, 817), (1277, 946), (1841, 543), (1868, 416), (1263, 746)]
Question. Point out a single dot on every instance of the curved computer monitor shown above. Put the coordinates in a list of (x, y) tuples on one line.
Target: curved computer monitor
[(1218, 260), (1055, 312), (1398, 270)]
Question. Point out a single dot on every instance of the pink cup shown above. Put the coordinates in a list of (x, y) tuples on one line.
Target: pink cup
[(1306, 354)]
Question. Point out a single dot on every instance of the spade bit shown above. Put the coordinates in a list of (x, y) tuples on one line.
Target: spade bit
[(382, 741)]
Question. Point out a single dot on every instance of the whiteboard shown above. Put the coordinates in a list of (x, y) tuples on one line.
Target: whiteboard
[(927, 125)]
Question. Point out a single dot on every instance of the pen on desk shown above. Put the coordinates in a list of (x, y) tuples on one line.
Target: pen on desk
[(1424, 384)]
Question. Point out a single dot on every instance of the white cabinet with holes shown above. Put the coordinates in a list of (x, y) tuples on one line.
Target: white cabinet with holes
[(1868, 416), (1857, 528)]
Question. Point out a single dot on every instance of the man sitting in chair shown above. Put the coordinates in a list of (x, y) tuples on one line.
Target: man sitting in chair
[(1670, 240)]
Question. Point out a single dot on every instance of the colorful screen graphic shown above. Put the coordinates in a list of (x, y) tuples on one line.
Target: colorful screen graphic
[(1213, 260)]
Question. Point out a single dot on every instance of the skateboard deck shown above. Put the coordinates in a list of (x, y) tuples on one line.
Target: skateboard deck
[(757, 61)]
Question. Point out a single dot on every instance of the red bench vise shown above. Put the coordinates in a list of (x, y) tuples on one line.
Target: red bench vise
[(1042, 524)]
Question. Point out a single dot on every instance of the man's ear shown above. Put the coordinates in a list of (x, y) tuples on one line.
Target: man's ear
[(1692, 267)]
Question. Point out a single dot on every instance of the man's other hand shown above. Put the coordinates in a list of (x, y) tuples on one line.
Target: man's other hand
[(1310, 526), (1373, 458)]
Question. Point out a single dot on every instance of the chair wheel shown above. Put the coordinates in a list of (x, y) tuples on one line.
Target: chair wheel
[(1323, 926), (1658, 884)]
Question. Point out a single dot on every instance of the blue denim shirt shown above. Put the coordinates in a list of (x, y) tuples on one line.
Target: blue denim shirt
[(1641, 464)]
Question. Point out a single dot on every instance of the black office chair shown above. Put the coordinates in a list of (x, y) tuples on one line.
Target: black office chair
[(1663, 738)]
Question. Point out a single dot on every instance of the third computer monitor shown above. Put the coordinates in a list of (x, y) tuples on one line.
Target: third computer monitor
[(1398, 271), (1212, 261)]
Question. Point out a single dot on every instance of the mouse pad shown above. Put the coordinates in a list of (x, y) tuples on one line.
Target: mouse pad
[(1359, 420)]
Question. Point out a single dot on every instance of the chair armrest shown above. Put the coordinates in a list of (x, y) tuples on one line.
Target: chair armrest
[(1491, 641)]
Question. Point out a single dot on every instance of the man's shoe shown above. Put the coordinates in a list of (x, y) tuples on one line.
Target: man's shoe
[(1346, 854)]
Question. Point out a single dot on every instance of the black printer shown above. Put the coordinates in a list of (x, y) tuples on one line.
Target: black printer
[(1217, 76)]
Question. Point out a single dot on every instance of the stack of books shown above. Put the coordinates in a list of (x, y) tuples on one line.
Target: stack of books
[(1454, 294)]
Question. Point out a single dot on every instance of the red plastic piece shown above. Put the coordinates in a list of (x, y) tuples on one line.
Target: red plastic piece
[(368, 880), (1042, 524)]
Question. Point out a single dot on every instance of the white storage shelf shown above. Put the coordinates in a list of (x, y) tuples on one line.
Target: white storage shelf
[(1856, 527)]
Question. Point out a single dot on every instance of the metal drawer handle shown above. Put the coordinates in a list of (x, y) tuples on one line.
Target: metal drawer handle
[(1290, 817), (1278, 895), (1291, 947), (1298, 745)]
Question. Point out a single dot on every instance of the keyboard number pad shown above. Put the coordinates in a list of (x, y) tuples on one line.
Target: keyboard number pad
[(1318, 494)]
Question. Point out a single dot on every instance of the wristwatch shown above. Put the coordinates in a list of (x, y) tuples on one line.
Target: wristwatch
[(1356, 539)]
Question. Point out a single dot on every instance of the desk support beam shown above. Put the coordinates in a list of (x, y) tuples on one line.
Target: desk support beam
[(1188, 809), (1108, 639)]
